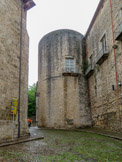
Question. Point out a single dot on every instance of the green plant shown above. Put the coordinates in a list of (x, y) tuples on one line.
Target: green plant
[(84, 65), (31, 100)]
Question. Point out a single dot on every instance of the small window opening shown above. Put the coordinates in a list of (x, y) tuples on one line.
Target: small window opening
[(70, 65), (104, 44)]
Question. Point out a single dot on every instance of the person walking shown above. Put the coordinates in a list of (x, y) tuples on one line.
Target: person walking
[(29, 122)]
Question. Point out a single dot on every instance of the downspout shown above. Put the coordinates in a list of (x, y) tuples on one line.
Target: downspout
[(86, 49), (89, 97), (117, 90), (20, 59), (89, 101)]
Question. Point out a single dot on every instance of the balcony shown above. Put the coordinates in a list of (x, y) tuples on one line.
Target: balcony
[(89, 70), (102, 55), (70, 72), (118, 33)]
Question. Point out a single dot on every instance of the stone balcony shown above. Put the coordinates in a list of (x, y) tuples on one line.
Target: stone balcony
[(69, 72), (102, 55), (89, 70), (118, 32)]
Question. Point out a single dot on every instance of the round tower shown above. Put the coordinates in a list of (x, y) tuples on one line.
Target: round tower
[(63, 99)]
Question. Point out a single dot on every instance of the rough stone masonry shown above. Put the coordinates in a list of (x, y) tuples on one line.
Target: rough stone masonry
[(10, 18), (104, 73), (63, 100)]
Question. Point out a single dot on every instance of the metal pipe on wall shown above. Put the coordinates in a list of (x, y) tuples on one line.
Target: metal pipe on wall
[(20, 59), (117, 90)]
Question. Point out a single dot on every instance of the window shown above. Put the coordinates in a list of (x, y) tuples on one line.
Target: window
[(69, 65), (103, 43), (91, 59)]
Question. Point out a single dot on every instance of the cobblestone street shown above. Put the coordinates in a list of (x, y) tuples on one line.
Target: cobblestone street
[(65, 146)]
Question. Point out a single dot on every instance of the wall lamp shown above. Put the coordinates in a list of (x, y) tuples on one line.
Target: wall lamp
[(28, 4), (115, 46), (119, 85)]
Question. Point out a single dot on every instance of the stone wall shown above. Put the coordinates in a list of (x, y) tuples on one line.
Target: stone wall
[(63, 100), (10, 11), (105, 108)]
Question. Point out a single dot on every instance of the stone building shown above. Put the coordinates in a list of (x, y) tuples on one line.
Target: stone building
[(62, 92), (10, 47), (104, 72), (63, 96)]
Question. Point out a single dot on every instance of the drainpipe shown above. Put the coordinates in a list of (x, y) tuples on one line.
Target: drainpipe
[(89, 97), (20, 59), (113, 40)]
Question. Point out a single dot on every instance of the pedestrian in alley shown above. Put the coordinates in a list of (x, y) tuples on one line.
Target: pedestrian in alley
[(29, 122)]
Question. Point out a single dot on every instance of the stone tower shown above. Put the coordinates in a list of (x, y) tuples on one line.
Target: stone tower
[(10, 33), (62, 99)]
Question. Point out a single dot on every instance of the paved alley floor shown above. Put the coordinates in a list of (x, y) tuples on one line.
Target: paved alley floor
[(64, 146)]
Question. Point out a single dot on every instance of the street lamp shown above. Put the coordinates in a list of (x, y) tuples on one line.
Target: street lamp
[(28, 4)]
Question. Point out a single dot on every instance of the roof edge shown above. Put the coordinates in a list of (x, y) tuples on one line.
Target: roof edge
[(58, 31), (100, 5)]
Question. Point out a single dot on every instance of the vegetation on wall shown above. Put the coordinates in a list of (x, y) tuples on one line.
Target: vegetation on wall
[(84, 61), (32, 100), (84, 65)]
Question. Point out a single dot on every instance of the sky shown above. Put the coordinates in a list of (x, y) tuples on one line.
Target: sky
[(50, 15)]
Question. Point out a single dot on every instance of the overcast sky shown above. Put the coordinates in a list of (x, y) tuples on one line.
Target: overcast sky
[(50, 15)]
